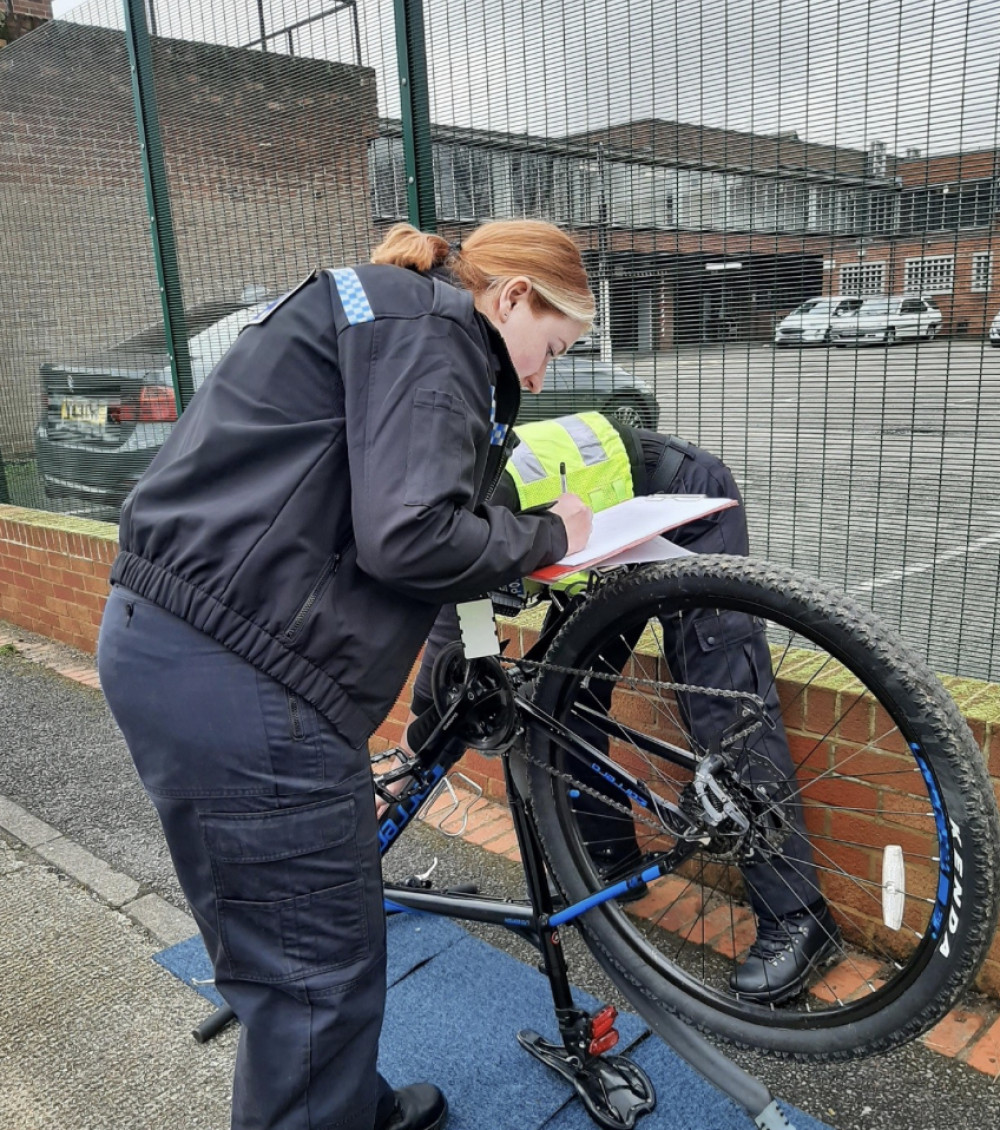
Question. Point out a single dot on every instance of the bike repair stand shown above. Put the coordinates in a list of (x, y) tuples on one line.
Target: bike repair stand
[(615, 1091)]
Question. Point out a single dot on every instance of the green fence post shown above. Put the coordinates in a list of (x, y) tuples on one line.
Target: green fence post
[(4, 489), (158, 200), (411, 52)]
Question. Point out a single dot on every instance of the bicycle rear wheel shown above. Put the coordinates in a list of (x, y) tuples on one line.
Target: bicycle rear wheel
[(879, 771)]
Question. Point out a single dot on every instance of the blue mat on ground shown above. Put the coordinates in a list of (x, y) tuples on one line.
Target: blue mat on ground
[(454, 1008)]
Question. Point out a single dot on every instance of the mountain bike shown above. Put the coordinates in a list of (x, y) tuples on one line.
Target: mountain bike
[(646, 800)]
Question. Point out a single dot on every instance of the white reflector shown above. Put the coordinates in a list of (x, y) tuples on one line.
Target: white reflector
[(893, 886)]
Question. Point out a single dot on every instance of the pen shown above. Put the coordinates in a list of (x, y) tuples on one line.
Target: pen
[(562, 477)]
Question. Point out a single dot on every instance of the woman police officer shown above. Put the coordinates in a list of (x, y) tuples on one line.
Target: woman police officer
[(281, 562)]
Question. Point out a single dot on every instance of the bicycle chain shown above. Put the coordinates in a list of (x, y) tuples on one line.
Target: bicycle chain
[(633, 682)]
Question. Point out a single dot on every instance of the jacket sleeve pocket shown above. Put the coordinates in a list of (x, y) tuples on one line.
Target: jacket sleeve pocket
[(440, 460)]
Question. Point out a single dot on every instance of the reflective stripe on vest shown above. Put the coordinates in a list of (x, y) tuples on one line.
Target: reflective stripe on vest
[(597, 462)]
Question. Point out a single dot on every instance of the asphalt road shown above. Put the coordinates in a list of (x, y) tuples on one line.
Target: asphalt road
[(875, 468), (65, 762)]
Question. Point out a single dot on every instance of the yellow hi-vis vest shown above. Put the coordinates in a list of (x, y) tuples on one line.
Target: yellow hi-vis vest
[(598, 469)]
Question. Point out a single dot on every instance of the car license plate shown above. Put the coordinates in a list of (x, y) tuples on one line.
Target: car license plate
[(81, 410)]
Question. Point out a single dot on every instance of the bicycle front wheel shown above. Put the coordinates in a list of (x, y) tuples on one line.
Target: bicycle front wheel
[(852, 780)]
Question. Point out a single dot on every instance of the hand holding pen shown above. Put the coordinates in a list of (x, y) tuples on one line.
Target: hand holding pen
[(577, 516)]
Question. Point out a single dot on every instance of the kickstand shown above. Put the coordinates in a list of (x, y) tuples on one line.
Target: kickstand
[(613, 1089)]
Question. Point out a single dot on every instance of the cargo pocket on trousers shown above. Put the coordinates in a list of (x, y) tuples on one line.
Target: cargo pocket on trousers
[(295, 937), (289, 896)]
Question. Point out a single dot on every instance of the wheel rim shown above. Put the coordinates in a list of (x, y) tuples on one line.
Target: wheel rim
[(878, 962)]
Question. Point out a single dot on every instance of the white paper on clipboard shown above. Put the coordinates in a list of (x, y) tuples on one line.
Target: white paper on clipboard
[(631, 524), (656, 549)]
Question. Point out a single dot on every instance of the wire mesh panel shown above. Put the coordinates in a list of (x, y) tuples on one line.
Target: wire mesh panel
[(77, 276), (265, 119), (788, 212)]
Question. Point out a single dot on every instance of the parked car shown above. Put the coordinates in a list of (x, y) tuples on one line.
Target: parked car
[(887, 320), (590, 342), (811, 323), (579, 382), (107, 415), (995, 332)]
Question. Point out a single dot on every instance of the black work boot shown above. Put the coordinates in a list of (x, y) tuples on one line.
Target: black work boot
[(786, 951), (421, 1106)]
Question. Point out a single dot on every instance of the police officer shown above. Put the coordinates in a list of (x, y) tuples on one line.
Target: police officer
[(280, 565), (607, 463)]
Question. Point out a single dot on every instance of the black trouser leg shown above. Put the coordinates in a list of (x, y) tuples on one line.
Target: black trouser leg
[(270, 820), (706, 650)]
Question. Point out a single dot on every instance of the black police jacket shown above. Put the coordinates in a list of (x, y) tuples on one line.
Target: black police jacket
[(323, 493)]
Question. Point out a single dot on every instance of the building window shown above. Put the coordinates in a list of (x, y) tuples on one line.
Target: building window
[(462, 183), (388, 178), (862, 279), (982, 270), (947, 207), (934, 274)]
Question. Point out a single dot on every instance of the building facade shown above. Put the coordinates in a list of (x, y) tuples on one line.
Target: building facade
[(696, 234)]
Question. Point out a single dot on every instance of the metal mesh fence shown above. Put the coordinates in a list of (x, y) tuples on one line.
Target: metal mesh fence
[(788, 212)]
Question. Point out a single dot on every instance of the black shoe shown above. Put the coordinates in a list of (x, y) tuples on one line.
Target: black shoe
[(786, 951), (420, 1106)]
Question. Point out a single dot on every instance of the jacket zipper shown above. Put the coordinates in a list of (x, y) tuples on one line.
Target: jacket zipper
[(328, 570), (504, 456), (293, 714)]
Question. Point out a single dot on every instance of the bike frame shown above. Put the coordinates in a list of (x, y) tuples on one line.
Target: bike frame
[(538, 919)]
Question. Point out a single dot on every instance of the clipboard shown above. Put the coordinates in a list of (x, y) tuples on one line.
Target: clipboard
[(621, 528)]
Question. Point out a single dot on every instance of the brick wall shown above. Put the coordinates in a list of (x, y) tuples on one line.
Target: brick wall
[(40, 9), (266, 159), (18, 17), (54, 574), (53, 581)]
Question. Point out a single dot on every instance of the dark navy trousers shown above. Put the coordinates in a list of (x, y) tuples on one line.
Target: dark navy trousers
[(270, 820), (734, 655)]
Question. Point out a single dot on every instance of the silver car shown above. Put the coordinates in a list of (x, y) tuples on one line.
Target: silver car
[(887, 320)]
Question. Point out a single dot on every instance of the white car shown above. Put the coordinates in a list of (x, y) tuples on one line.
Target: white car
[(886, 320), (995, 332), (812, 322)]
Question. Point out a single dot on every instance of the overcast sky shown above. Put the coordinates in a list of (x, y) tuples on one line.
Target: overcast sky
[(923, 73)]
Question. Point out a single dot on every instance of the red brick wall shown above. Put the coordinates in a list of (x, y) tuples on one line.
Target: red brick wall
[(21, 16), (53, 581), (41, 9), (54, 574)]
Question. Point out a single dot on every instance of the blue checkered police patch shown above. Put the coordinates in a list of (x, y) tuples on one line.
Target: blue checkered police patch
[(352, 296)]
